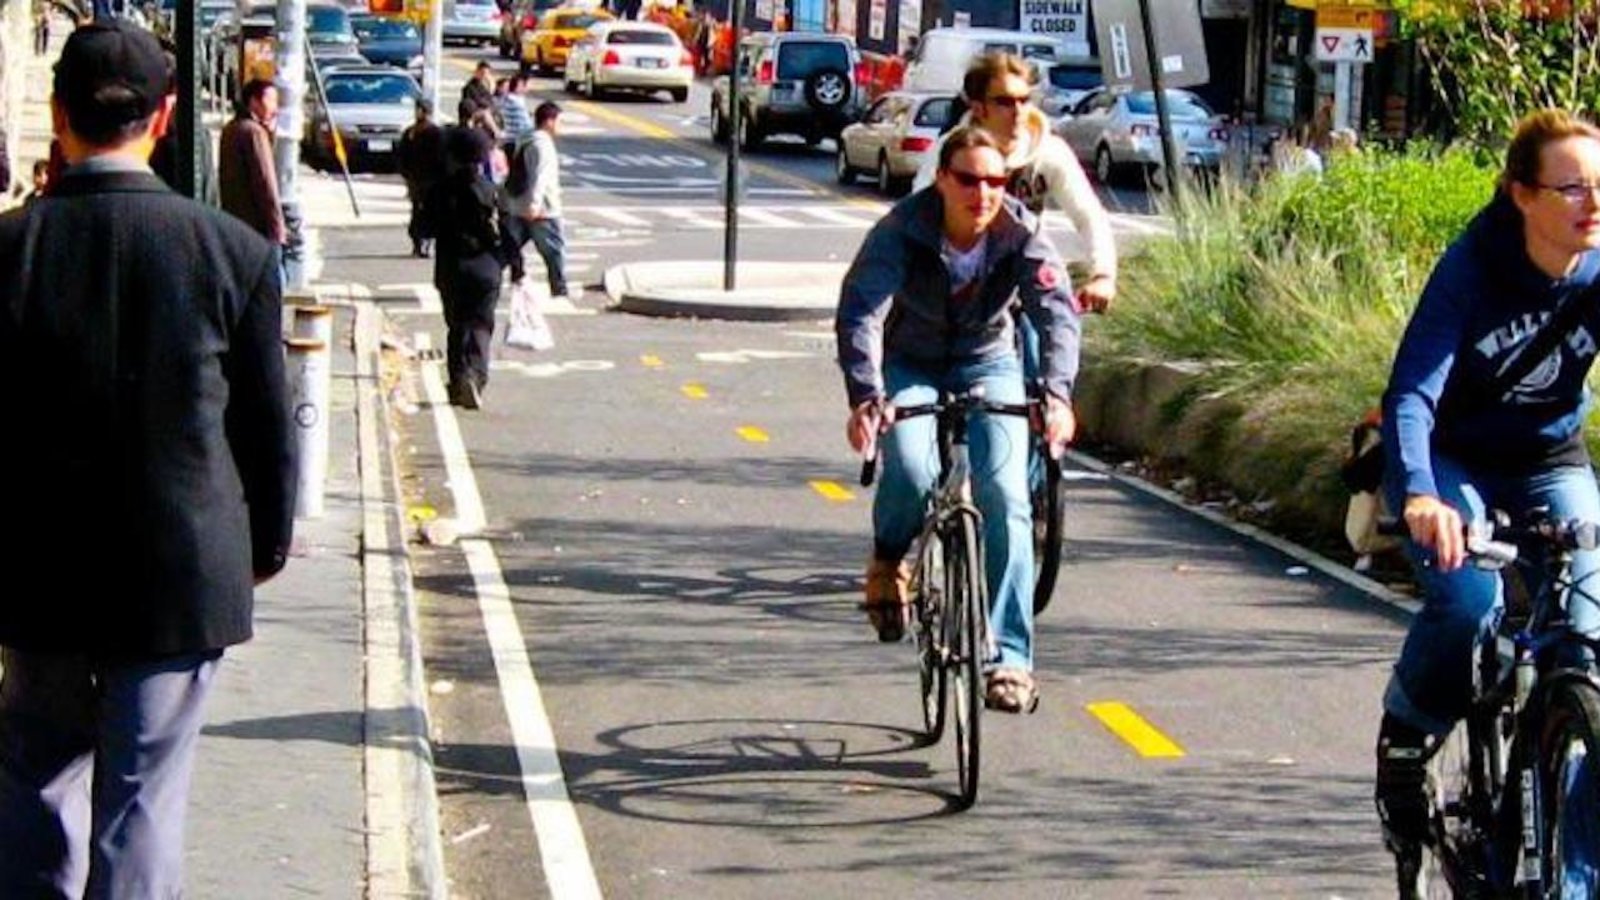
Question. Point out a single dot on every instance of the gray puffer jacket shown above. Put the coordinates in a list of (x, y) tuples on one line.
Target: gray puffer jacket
[(894, 305)]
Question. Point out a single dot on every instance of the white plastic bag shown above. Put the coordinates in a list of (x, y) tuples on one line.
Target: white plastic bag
[(528, 328)]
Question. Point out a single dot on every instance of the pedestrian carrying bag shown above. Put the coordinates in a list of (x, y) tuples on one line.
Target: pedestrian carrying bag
[(1362, 471), (528, 329)]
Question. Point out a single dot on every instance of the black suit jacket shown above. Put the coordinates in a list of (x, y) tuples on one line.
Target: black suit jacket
[(150, 462)]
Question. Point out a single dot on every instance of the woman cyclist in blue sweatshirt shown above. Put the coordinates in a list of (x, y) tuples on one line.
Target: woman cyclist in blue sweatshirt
[(1458, 444)]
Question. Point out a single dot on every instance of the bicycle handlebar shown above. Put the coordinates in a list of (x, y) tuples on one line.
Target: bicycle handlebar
[(1500, 541), (968, 402)]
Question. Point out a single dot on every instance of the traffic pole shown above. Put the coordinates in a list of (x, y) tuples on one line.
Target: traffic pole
[(1169, 152), (290, 61), (730, 231), (433, 54)]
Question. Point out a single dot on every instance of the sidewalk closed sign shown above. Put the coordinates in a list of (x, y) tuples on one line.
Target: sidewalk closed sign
[(1067, 20)]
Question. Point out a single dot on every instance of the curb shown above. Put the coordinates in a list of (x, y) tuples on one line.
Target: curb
[(774, 292), (405, 852), (1312, 560)]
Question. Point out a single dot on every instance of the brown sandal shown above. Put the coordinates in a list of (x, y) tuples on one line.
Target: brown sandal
[(888, 603), (1011, 691)]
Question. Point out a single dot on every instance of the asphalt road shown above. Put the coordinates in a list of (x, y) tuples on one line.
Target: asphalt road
[(666, 581)]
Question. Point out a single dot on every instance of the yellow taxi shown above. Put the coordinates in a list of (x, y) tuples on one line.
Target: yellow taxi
[(545, 48)]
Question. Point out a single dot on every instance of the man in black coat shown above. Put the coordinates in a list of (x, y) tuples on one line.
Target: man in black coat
[(152, 482)]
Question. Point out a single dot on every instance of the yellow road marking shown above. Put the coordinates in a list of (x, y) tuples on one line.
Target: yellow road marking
[(753, 434), (1143, 737), (832, 491), (694, 391), (633, 123), (650, 360)]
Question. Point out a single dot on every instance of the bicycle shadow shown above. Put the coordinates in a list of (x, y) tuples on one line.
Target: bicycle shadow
[(768, 773)]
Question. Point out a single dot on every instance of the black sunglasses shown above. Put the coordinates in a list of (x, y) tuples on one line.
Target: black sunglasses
[(972, 179)]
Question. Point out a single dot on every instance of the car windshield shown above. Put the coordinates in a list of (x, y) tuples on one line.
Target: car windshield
[(564, 23), (1180, 105), (935, 113), (1075, 78), (640, 36), (375, 88), (326, 20), (386, 30), (799, 59)]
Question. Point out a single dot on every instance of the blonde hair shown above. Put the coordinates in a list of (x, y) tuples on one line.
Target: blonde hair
[(986, 68), (1536, 131)]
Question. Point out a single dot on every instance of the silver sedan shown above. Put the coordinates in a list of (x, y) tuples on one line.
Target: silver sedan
[(892, 139), (1115, 131)]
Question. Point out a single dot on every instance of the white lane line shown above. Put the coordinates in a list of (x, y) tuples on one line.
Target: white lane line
[(563, 851), (470, 518), (832, 216), (698, 217), (619, 217)]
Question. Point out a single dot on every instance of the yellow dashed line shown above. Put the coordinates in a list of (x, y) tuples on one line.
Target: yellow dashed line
[(651, 361), (753, 434), (1143, 737), (694, 391), (832, 491)]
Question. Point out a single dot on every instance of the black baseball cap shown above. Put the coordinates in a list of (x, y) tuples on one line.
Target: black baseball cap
[(113, 71)]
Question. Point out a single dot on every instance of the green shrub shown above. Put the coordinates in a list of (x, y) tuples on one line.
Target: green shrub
[(1296, 292)]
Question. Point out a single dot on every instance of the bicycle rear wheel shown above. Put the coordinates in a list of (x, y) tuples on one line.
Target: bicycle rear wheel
[(1049, 528), (1569, 765), (967, 613), (929, 605)]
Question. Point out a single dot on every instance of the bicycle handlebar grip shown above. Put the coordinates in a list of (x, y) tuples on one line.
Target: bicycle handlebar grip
[(869, 470)]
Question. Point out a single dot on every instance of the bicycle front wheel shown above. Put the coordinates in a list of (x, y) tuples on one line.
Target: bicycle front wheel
[(928, 601), (1049, 529), (967, 615), (1569, 756)]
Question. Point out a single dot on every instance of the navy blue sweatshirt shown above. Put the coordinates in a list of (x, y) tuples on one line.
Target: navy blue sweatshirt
[(1483, 303)]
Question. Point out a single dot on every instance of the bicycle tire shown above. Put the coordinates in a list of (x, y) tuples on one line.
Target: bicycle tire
[(1463, 791), (1569, 766), (1049, 529), (928, 608), (966, 614)]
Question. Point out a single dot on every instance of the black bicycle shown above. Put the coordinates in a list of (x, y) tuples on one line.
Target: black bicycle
[(1516, 785), (949, 594), (1047, 492)]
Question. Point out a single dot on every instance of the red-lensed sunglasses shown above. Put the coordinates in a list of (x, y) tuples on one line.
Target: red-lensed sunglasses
[(972, 180)]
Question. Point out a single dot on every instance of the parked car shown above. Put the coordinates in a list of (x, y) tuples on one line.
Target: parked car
[(547, 47), (897, 133), (523, 16), (1062, 83), (1115, 131), (389, 41), (472, 21), (370, 105), (944, 54), (796, 83), (629, 56)]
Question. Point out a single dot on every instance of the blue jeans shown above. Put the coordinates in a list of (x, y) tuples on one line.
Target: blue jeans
[(1432, 683), (998, 450), (548, 239)]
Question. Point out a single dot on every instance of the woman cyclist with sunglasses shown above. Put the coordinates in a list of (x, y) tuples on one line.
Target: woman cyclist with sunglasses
[(925, 307)]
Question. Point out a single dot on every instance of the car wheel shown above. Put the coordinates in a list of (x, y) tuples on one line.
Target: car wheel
[(827, 89), (719, 126), (749, 134), (887, 185), (1105, 170), (842, 169), (680, 95), (567, 84), (591, 88)]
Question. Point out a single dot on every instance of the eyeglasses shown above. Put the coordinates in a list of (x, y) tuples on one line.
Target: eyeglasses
[(1574, 192), (973, 179), (1009, 101)]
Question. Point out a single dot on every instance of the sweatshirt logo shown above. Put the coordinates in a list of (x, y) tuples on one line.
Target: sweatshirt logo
[(1512, 339), (1029, 186)]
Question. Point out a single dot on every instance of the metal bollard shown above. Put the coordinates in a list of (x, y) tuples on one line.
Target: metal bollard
[(310, 381), (313, 322)]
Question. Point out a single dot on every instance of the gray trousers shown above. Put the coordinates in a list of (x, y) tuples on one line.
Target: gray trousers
[(95, 764)]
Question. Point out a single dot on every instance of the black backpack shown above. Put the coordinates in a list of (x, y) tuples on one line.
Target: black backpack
[(519, 178)]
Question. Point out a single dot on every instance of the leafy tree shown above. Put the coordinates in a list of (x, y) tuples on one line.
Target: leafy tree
[(1493, 61)]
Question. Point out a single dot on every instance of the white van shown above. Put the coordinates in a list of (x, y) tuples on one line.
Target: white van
[(944, 54)]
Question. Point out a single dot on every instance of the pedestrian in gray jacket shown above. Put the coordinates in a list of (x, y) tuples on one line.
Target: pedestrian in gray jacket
[(532, 202)]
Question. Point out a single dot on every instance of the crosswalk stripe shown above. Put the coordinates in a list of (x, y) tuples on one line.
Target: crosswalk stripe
[(833, 216), (619, 216)]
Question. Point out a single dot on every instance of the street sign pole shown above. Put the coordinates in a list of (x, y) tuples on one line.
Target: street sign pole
[(433, 54), (730, 231), (1169, 153), (190, 125), (291, 70)]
